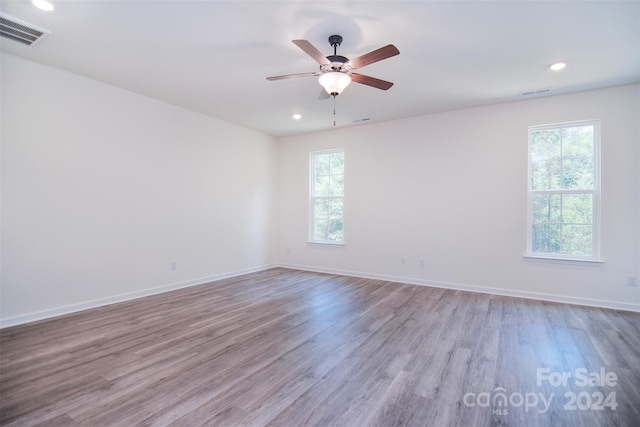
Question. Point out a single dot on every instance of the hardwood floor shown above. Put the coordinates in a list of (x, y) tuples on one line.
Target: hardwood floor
[(293, 348)]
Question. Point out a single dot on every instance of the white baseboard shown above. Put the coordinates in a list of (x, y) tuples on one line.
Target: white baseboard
[(474, 288), (59, 311), (72, 308)]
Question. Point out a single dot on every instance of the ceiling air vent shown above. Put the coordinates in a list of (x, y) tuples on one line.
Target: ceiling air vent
[(20, 31), (535, 92)]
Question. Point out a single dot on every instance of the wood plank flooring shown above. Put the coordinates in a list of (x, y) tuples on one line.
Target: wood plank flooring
[(292, 348)]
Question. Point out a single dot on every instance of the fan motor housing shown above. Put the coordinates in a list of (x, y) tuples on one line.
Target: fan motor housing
[(336, 63)]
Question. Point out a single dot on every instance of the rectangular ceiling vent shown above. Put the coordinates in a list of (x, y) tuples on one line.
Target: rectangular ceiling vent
[(20, 31), (535, 92)]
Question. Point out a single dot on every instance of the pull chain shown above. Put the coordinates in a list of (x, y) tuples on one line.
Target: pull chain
[(334, 110)]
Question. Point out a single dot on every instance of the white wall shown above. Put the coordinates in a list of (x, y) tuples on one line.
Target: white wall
[(450, 188), (103, 188)]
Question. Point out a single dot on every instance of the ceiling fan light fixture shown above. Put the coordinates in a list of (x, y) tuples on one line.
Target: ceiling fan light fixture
[(334, 82)]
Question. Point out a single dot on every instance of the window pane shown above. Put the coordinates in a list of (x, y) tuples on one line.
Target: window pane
[(321, 209), (321, 229), (546, 238), (335, 208), (577, 157), (337, 163), (328, 215), (321, 187), (545, 175), (577, 239), (577, 209), (329, 185), (577, 141), (326, 229), (577, 173), (546, 208), (335, 230), (322, 164), (337, 185), (545, 144), (328, 209)]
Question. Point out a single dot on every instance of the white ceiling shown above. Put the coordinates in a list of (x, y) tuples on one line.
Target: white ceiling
[(213, 56)]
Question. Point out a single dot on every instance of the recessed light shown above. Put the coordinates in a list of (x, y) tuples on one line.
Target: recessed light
[(296, 116), (43, 4), (558, 66)]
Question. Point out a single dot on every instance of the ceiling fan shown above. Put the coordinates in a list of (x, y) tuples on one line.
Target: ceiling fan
[(336, 71)]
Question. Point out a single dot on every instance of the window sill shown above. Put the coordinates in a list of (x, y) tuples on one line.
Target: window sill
[(560, 260), (327, 243)]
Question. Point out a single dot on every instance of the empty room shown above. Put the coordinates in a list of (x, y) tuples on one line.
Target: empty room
[(314, 213)]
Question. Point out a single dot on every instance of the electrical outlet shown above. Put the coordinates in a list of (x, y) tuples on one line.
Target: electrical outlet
[(421, 263), (403, 261), (174, 265), (632, 280)]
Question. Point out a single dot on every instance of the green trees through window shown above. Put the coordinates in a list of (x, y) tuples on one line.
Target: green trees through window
[(327, 196), (563, 190)]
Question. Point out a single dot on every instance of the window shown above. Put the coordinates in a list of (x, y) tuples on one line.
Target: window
[(327, 197), (564, 191)]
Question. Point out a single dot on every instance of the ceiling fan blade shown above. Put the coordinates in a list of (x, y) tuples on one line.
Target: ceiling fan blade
[(311, 51), (290, 76), (323, 95), (371, 81), (374, 56)]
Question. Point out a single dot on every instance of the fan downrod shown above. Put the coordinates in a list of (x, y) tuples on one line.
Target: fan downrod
[(336, 61)]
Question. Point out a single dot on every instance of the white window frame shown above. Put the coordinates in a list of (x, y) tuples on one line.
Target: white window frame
[(596, 192), (313, 197)]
